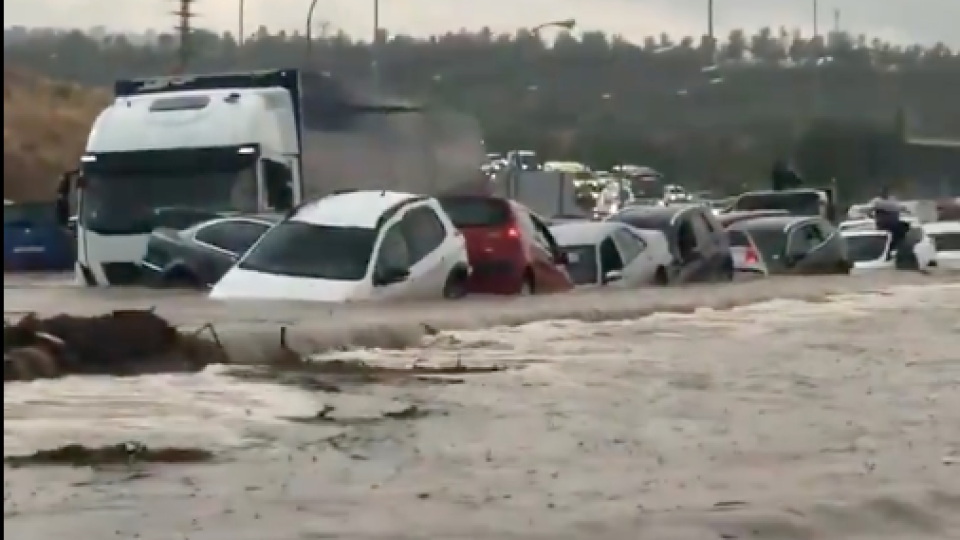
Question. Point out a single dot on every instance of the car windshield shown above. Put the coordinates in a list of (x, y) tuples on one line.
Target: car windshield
[(947, 241), (126, 193), (771, 243), (798, 204), (867, 247), (298, 249), (470, 212), (582, 263)]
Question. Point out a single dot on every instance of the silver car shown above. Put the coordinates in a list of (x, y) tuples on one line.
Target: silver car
[(609, 252)]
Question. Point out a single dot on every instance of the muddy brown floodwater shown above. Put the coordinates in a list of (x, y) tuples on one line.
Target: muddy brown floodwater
[(833, 415)]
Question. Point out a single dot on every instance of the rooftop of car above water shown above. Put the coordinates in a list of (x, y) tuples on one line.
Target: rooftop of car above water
[(584, 232), (771, 223), (360, 208)]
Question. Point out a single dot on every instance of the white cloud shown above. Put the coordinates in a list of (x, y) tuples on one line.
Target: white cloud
[(925, 21)]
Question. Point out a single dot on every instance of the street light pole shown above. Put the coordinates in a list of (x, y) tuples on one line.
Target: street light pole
[(375, 48), (710, 29), (240, 33), (309, 33)]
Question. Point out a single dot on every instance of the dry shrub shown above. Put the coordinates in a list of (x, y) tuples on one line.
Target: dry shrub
[(45, 127)]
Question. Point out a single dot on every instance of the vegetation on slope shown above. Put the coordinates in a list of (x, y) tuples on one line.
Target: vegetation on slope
[(45, 123)]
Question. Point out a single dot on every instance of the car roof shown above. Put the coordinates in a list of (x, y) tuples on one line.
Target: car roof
[(576, 233), (768, 223), (942, 226), (864, 232), (664, 213), (728, 219), (361, 208)]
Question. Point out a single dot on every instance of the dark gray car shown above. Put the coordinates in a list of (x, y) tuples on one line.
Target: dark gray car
[(698, 242), (796, 245), (197, 257)]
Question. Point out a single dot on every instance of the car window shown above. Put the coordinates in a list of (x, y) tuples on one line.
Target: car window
[(235, 236), (471, 212), (610, 257), (582, 263), (529, 227), (946, 241), (738, 239), (701, 229), (869, 247), (805, 238), (394, 252), (630, 245), (298, 249), (544, 236), (423, 231)]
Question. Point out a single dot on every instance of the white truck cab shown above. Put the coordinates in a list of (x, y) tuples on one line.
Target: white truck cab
[(173, 150)]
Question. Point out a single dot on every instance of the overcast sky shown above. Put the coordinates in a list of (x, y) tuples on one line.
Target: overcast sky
[(905, 21)]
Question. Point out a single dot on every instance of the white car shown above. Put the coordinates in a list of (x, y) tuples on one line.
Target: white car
[(870, 249), (354, 246), (946, 240), (609, 252)]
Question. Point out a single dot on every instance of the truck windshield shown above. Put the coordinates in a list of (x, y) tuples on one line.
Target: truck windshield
[(127, 193), (298, 249)]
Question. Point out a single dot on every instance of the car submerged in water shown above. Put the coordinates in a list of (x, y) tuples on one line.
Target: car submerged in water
[(354, 246), (786, 244)]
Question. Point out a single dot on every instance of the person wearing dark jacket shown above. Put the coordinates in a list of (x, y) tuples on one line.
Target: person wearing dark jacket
[(784, 177)]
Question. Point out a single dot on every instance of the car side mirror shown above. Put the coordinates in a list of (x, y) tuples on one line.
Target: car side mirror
[(612, 276), (795, 257), (389, 276)]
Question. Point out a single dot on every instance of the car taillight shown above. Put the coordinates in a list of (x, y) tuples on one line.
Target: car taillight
[(512, 232), (751, 256)]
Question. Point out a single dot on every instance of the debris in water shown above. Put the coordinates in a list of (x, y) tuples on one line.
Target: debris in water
[(77, 455), (121, 343)]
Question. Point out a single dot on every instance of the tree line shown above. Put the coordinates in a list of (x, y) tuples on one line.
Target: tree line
[(704, 112)]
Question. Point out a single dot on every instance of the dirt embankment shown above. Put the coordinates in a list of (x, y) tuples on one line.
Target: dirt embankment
[(45, 125)]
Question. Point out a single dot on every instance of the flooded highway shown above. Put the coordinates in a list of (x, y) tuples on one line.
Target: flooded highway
[(797, 409)]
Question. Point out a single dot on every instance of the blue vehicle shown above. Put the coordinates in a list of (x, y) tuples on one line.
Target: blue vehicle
[(34, 240)]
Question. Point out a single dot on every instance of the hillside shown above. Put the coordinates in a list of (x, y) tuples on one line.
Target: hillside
[(45, 124)]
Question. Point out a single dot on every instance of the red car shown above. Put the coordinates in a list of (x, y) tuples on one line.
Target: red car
[(511, 250)]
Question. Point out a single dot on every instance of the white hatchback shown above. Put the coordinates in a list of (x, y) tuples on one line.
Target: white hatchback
[(614, 253), (354, 246)]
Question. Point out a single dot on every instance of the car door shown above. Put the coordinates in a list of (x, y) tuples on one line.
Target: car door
[(425, 235), (542, 251), (392, 253), (805, 253), (638, 268), (708, 245), (692, 239)]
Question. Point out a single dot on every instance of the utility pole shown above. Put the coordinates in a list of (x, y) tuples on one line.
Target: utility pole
[(375, 48), (240, 31), (816, 18), (710, 29), (184, 29)]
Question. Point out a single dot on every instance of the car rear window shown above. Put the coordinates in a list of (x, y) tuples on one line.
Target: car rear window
[(738, 239), (948, 241), (469, 212), (771, 243), (867, 247), (582, 263)]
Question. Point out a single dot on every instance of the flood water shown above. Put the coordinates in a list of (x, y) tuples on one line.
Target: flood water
[(629, 416)]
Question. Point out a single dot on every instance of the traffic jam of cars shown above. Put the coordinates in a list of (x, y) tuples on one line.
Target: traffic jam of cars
[(366, 245)]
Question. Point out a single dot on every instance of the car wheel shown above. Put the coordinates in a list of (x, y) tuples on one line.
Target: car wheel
[(661, 278), (456, 286)]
